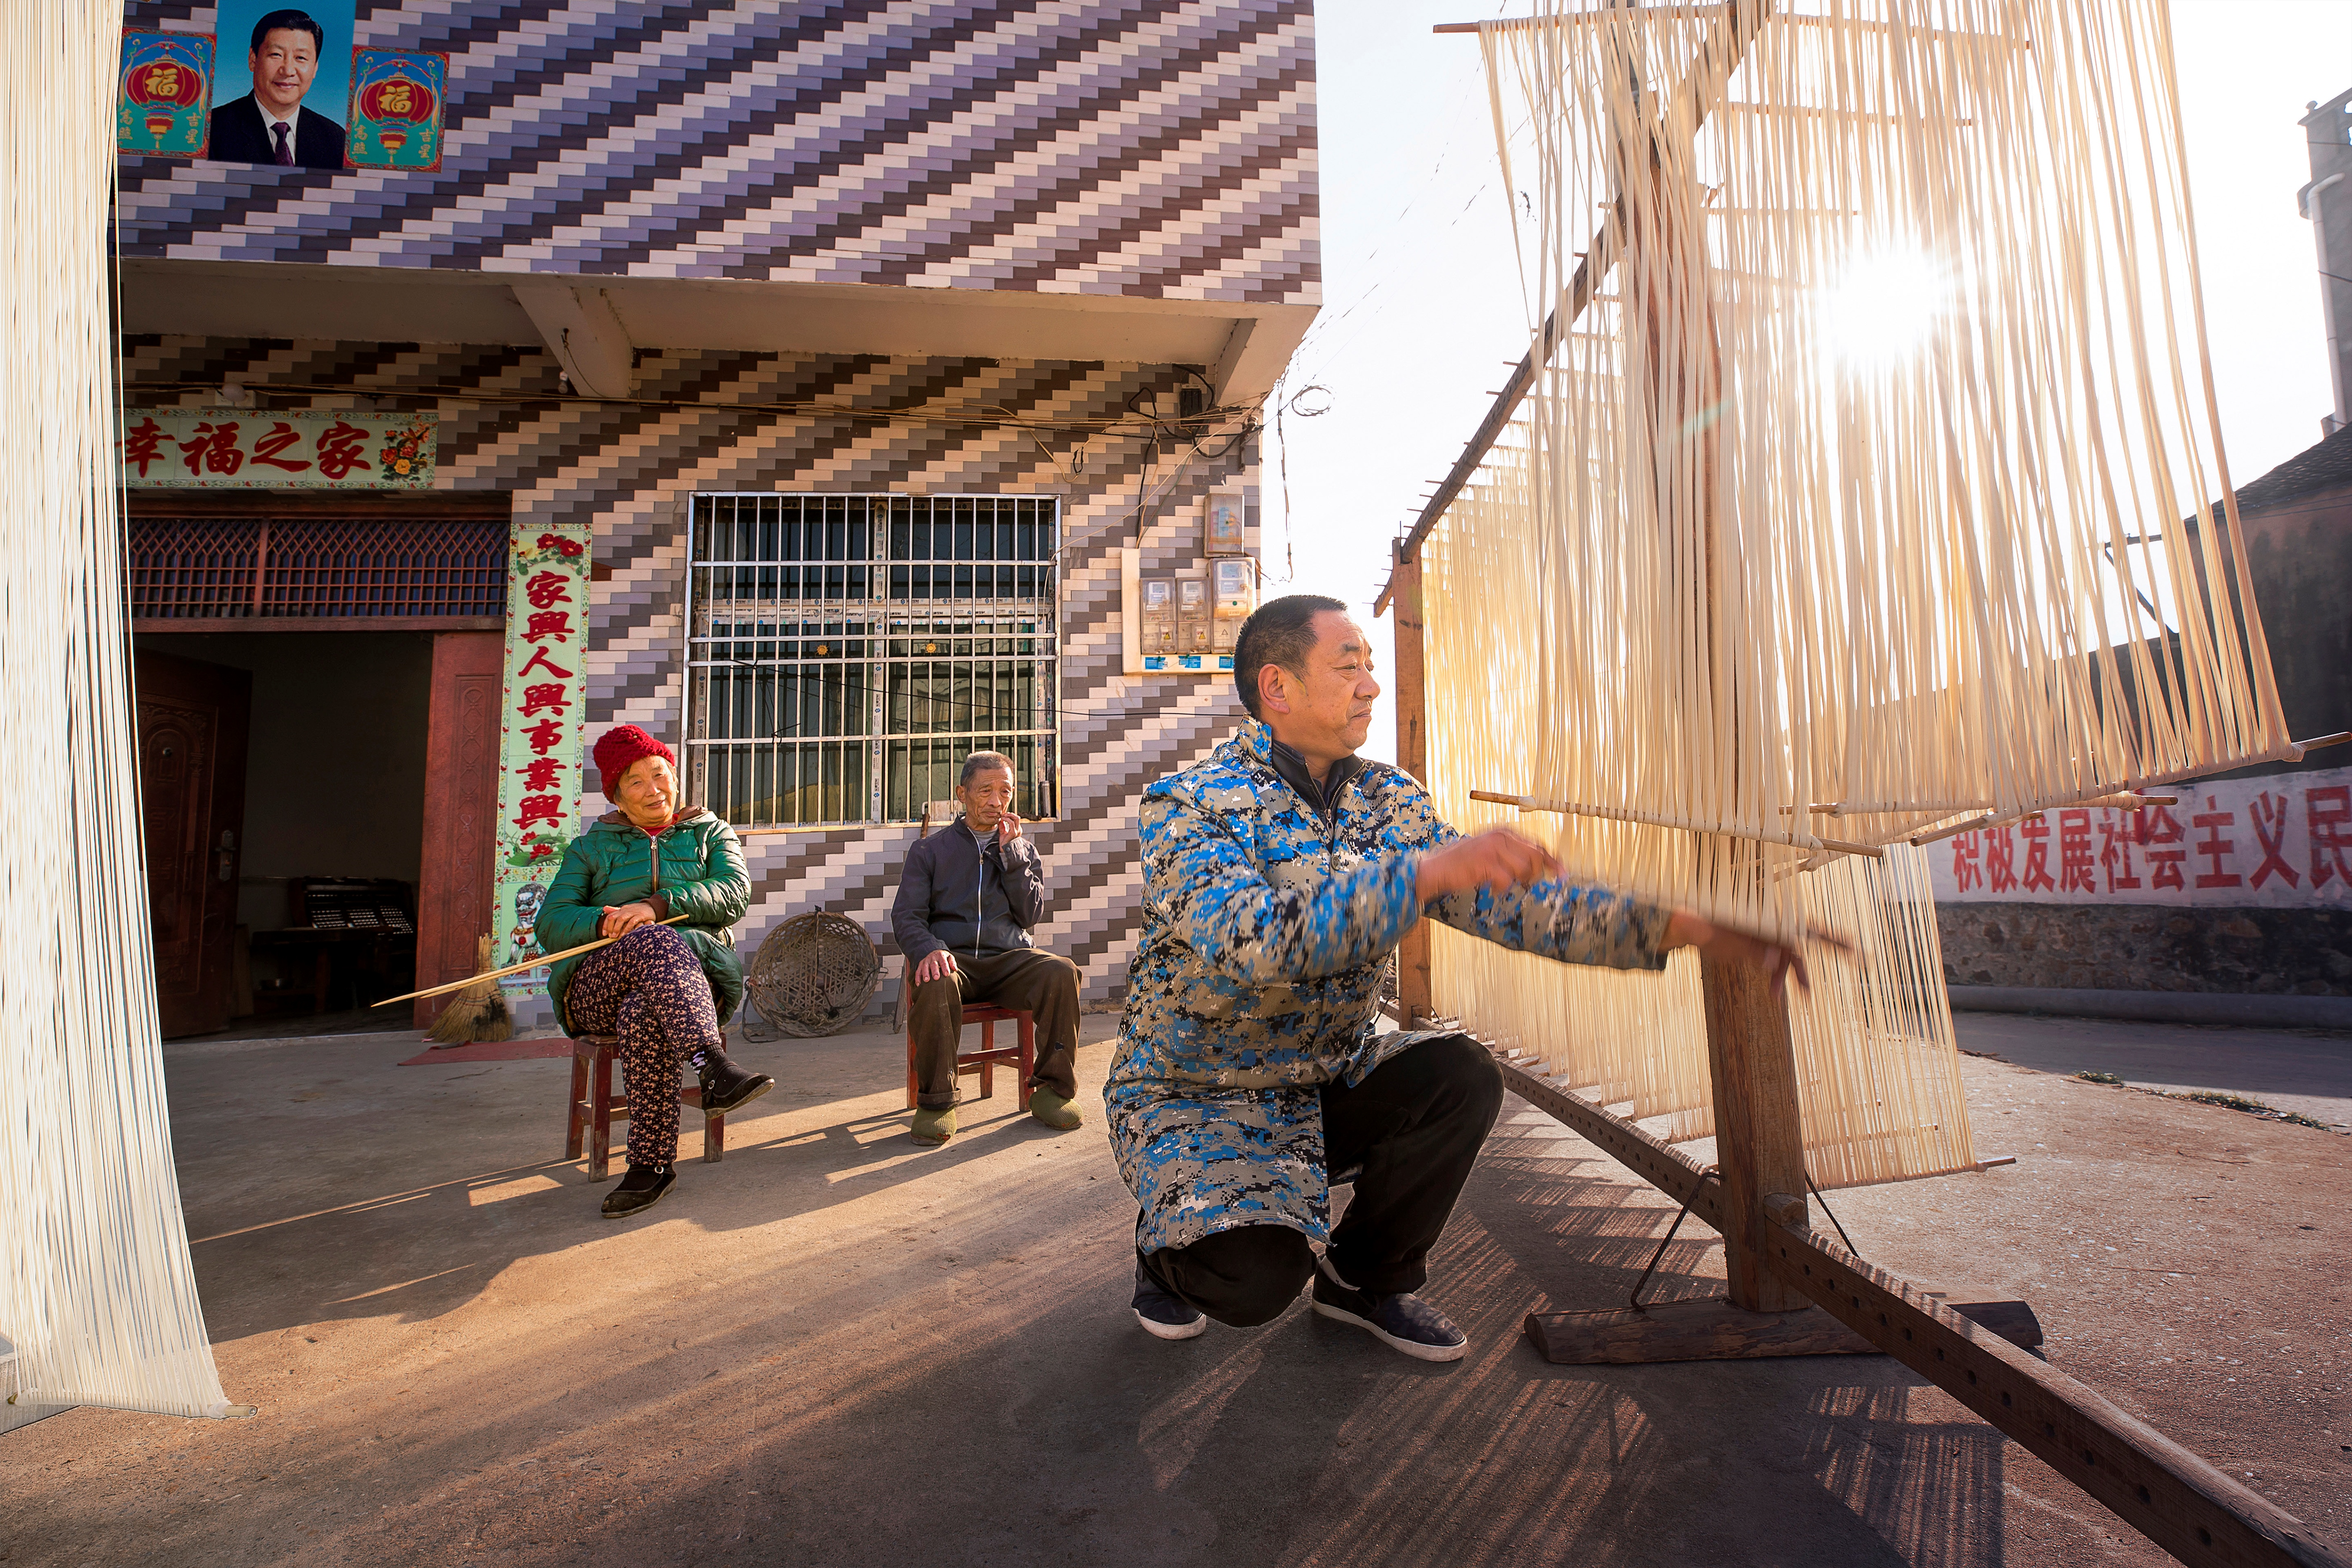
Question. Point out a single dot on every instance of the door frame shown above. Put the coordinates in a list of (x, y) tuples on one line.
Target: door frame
[(439, 884)]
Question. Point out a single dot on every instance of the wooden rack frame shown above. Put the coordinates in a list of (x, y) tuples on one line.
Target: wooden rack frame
[(1777, 1267)]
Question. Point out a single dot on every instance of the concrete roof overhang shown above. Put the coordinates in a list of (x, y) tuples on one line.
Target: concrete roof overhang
[(592, 322)]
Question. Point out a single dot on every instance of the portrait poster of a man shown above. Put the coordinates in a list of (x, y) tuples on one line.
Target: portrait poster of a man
[(297, 59)]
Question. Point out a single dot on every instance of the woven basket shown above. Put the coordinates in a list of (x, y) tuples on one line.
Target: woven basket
[(815, 976)]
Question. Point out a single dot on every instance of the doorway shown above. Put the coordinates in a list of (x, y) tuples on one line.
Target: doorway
[(317, 694), (320, 812)]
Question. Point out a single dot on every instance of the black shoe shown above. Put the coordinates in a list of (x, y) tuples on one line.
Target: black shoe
[(1163, 1313), (640, 1190), (1406, 1323), (726, 1086)]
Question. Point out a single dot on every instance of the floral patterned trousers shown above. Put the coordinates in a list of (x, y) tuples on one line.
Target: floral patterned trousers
[(648, 989)]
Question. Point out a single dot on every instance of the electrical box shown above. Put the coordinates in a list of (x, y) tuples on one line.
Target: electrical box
[(1194, 619), (1160, 616), (1225, 524), (1232, 597)]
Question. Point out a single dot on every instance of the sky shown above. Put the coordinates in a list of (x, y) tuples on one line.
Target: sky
[(1422, 316)]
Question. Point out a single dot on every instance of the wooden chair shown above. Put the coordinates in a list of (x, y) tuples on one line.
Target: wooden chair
[(1020, 1057), (594, 1107)]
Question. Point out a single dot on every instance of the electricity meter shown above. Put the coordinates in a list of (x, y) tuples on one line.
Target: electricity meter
[(1158, 614), (1233, 591), (1192, 616)]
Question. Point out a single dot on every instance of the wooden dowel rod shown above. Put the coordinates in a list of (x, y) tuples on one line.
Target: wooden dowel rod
[(1645, 13), (860, 826), (1945, 808), (1920, 840), (1679, 13), (1888, 807), (538, 962), (2128, 793), (1651, 819)]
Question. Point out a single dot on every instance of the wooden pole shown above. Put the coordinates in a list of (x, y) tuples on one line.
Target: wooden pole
[(1412, 756), (1751, 1060), (1759, 1138), (543, 959)]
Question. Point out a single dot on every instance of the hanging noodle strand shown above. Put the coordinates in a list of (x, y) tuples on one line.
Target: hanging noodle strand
[(98, 1299), (1876, 468)]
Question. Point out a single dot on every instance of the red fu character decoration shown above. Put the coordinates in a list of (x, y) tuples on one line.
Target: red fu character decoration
[(166, 82), (396, 98)]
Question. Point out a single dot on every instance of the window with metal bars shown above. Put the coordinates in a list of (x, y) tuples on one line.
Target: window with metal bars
[(845, 653), (316, 568)]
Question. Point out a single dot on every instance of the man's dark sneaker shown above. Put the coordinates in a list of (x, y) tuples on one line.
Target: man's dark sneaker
[(726, 1086), (1163, 1313), (640, 1190), (1406, 1323)]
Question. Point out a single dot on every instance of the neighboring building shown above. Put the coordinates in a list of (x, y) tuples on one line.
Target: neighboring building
[(2246, 884), (861, 346), (2327, 202)]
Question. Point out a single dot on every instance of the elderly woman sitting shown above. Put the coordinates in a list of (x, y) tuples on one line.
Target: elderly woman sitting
[(666, 990)]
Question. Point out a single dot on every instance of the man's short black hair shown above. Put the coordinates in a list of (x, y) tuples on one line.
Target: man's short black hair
[(984, 763), (290, 22), (1282, 632)]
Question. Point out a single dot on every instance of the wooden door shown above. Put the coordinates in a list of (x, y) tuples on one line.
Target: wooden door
[(192, 721), (455, 888)]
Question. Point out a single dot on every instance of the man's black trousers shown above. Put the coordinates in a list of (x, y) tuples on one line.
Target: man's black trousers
[(1415, 1125)]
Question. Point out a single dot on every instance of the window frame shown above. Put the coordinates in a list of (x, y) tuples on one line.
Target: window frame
[(874, 623)]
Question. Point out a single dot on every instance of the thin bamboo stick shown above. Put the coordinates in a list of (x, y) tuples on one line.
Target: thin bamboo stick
[(1651, 819), (540, 961)]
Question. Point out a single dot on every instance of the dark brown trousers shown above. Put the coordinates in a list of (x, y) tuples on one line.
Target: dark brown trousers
[(1042, 984)]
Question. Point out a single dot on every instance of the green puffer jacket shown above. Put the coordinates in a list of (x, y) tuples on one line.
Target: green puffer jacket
[(694, 867)]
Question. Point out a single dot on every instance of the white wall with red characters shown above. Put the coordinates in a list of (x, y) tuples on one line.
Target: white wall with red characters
[(2279, 842)]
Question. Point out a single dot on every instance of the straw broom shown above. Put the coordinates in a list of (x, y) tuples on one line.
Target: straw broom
[(479, 1012)]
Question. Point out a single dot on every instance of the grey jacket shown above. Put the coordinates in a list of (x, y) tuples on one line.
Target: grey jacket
[(973, 902)]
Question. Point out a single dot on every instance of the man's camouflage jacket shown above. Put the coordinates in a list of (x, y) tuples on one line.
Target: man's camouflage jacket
[(1266, 925)]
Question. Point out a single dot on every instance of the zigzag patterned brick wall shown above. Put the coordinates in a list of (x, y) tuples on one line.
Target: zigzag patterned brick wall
[(1162, 150), (629, 471)]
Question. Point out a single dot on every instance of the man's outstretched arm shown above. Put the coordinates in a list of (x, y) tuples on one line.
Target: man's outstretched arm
[(1507, 889)]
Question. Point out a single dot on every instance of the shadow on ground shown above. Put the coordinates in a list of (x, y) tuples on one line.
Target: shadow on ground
[(836, 1348)]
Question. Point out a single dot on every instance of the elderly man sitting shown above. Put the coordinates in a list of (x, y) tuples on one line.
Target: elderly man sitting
[(966, 903)]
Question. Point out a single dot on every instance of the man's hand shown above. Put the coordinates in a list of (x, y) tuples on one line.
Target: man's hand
[(625, 918), (939, 965), (1008, 828), (1729, 946), (1497, 858)]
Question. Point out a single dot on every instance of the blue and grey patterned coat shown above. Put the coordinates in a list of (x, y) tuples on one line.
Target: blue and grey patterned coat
[(1265, 927)]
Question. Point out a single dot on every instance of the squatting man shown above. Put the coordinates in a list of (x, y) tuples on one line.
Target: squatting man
[(1278, 875)]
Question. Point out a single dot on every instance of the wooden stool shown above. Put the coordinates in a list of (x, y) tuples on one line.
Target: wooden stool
[(1021, 1058), (594, 1107)]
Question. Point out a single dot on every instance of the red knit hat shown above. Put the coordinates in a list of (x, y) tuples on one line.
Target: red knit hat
[(618, 749)]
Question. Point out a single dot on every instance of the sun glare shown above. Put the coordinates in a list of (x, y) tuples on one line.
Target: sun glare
[(1882, 307)]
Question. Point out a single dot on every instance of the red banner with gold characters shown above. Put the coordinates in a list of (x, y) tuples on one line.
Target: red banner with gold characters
[(164, 99), (397, 97), (541, 779), (293, 448)]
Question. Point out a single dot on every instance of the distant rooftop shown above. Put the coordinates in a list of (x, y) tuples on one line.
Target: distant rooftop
[(2319, 468)]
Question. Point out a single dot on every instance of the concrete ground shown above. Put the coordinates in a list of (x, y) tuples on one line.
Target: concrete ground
[(2308, 1071), (836, 1347)]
